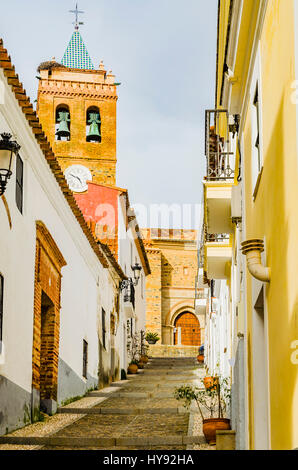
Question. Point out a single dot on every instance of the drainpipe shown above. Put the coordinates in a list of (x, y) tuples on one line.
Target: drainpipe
[(253, 249)]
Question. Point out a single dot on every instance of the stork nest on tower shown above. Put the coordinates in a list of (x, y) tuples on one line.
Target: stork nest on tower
[(49, 65)]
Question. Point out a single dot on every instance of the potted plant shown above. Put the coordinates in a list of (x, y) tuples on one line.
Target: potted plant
[(212, 399), (133, 353), (152, 338), (201, 357), (133, 367)]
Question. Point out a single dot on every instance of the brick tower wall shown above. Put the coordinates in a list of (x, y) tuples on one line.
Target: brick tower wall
[(80, 91)]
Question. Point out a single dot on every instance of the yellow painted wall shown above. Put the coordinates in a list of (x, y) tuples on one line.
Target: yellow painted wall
[(274, 215)]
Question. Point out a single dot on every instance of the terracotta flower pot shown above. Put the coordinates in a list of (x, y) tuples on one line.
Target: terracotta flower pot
[(210, 426), (144, 359), (141, 365), (132, 369), (200, 358), (210, 382)]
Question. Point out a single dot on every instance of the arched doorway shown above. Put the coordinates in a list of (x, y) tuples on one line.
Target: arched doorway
[(187, 330)]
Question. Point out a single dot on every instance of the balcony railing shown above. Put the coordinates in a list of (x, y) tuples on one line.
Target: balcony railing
[(217, 238), (218, 151)]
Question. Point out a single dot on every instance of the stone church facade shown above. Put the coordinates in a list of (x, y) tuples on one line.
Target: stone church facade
[(170, 292)]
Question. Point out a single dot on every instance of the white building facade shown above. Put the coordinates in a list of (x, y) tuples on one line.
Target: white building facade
[(56, 280)]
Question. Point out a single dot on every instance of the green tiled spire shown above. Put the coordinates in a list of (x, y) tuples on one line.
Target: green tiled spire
[(76, 55)]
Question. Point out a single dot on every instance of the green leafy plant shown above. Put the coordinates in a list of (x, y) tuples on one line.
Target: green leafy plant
[(152, 337), (215, 398)]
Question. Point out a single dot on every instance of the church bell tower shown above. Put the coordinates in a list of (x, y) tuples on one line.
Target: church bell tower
[(76, 105)]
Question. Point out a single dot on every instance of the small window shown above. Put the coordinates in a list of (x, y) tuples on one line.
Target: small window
[(1, 308), (256, 159), (93, 125), (185, 271), (19, 183), (103, 325), (62, 127), (85, 358)]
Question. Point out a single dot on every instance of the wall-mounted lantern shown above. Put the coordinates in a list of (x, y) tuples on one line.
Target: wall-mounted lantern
[(8, 147), (134, 282)]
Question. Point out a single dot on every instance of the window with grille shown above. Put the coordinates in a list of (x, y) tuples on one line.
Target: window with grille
[(1, 308), (19, 183), (85, 358), (103, 324)]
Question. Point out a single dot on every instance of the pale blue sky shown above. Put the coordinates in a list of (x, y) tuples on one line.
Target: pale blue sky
[(163, 53)]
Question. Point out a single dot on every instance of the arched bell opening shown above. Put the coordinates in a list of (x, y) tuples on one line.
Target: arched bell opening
[(62, 123), (93, 125)]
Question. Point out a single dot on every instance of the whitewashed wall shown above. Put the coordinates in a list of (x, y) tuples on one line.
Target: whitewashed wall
[(128, 256), (86, 286)]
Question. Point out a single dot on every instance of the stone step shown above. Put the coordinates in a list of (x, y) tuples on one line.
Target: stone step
[(169, 378), (157, 394), (172, 366), (160, 386), (169, 372), (124, 411), (99, 442)]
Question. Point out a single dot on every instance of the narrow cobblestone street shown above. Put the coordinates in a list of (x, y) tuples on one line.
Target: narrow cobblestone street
[(139, 413)]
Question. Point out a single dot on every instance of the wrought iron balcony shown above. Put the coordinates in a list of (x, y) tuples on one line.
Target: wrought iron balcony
[(218, 150)]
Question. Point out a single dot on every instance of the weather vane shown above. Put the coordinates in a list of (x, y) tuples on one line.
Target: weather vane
[(77, 12)]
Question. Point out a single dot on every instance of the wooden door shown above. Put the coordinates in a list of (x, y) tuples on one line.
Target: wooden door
[(190, 329)]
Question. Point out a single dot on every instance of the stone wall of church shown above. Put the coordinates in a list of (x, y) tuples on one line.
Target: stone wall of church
[(170, 289), (154, 293)]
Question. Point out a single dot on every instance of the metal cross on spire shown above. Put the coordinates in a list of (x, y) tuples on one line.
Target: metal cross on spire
[(77, 12)]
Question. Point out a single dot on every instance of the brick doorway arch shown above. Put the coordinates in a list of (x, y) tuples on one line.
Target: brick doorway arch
[(187, 330), (45, 352)]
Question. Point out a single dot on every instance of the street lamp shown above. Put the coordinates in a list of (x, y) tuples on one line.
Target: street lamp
[(132, 282), (8, 147)]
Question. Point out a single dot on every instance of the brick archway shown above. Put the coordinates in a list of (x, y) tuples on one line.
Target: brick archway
[(46, 322), (188, 331)]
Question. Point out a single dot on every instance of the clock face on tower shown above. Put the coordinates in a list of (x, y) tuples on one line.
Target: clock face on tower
[(77, 177)]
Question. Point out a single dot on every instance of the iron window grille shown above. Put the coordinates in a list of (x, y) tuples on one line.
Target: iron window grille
[(19, 183), (85, 358), (103, 322)]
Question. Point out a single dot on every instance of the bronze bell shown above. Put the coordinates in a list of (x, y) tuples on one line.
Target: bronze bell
[(93, 134), (63, 130)]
